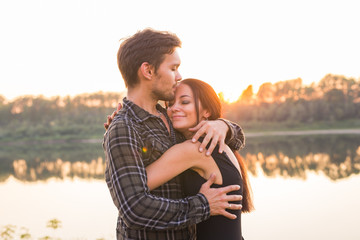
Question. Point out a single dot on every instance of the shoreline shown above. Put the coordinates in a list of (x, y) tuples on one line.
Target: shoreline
[(51, 141), (354, 131)]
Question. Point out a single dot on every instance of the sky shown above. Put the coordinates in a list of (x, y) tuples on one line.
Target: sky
[(69, 47)]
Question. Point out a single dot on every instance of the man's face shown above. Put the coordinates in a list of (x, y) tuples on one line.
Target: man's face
[(166, 78)]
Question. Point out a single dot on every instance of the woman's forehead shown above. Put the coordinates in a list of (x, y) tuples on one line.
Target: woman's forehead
[(183, 89)]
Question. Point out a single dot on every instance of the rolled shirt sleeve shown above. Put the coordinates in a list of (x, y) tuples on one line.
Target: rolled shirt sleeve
[(235, 138)]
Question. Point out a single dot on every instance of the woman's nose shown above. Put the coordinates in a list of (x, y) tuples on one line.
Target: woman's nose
[(174, 107)]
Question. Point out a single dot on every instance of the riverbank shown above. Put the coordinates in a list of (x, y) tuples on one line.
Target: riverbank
[(304, 132), (249, 134)]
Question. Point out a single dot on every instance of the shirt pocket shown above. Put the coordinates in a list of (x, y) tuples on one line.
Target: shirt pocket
[(152, 150)]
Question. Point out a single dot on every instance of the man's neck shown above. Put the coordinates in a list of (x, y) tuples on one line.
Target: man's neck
[(143, 99)]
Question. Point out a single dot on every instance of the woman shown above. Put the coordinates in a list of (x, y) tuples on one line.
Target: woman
[(195, 101)]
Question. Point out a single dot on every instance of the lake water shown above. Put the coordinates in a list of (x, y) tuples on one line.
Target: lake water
[(305, 187)]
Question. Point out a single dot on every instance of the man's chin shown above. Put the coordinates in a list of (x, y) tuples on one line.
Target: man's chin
[(167, 98)]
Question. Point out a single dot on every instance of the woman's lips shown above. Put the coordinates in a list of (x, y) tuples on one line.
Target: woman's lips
[(176, 117)]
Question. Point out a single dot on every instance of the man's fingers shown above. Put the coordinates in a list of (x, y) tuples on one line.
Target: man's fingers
[(200, 130), (230, 188), (221, 145), (207, 139), (198, 134), (210, 181), (233, 198), (212, 146), (228, 215), (197, 127), (233, 206), (212, 135)]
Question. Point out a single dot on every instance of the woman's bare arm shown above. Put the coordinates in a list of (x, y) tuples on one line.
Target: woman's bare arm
[(174, 161)]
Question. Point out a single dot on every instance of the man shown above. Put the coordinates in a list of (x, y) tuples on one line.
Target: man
[(141, 132)]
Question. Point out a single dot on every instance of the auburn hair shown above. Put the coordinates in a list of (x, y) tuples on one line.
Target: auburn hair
[(210, 101)]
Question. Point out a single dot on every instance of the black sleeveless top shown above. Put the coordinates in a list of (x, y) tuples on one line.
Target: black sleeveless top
[(216, 227)]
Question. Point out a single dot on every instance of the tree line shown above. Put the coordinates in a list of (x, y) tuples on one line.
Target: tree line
[(36, 117), (334, 98)]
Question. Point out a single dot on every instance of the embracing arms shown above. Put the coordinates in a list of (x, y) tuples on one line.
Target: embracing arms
[(185, 156), (121, 173), (126, 179), (220, 132), (173, 162)]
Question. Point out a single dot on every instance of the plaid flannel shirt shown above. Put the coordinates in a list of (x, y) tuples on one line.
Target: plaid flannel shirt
[(134, 140)]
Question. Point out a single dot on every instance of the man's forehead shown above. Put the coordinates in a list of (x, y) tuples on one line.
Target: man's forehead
[(173, 58)]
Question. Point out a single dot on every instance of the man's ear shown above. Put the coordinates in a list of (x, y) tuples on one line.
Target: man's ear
[(147, 70)]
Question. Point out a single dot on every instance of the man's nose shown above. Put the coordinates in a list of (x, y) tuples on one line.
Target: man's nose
[(178, 77)]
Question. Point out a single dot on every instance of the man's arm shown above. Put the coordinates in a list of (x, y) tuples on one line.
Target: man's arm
[(219, 131), (127, 182), (235, 137)]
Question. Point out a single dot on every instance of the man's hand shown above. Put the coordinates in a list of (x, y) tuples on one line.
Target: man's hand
[(215, 131), (218, 200), (111, 117)]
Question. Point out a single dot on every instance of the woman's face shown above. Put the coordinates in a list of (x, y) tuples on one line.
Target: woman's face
[(182, 110)]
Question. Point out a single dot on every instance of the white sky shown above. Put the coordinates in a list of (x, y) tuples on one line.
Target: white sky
[(68, 47)]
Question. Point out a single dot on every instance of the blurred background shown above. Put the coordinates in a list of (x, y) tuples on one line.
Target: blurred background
[(286, 71)]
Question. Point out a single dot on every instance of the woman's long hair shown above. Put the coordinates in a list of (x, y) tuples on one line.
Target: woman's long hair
[(210, 101)]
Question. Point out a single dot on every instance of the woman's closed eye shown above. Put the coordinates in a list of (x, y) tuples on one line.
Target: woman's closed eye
[(185, 102)]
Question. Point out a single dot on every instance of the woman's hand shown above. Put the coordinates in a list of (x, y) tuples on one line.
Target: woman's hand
[(111, 117)]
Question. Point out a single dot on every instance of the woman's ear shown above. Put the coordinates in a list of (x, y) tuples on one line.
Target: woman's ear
[(146, 70), (206, 114)]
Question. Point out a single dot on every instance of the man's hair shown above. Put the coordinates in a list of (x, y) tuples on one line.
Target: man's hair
[(147, 45)]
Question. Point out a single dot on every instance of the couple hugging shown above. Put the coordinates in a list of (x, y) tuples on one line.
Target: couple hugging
[(173, 171)]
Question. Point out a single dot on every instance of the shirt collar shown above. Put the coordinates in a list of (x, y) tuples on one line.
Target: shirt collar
[(138, 113)]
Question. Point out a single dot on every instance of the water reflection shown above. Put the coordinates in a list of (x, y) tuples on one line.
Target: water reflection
[(42, 161), (336, 156), (59, 168)]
